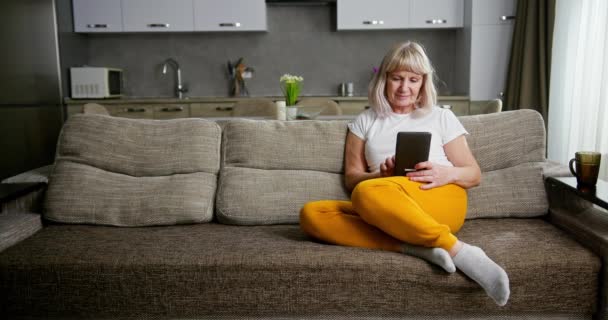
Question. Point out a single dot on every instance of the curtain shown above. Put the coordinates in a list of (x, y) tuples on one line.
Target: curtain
[(529, 66), (578, 116)]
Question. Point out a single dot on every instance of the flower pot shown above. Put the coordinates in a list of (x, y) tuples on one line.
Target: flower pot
[(292, 113)]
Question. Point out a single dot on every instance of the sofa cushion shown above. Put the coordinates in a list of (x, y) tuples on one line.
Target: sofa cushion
[(207, 270), (285, 145), (282, 165), (517, 191), (270, 169), (126, 172), (248, 196), (506, 139)]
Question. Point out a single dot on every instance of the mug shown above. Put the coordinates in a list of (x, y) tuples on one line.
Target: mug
[(587, 168), (350, 89)]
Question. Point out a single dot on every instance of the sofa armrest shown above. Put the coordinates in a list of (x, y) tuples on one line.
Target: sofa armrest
[(579, 215), (555, 169), (15, 227), (40, 174), (21, 197)]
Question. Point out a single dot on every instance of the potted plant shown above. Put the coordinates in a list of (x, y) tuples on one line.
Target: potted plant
[(291, 86)]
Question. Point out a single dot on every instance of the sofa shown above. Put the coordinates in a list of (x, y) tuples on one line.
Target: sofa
[(190, 218)]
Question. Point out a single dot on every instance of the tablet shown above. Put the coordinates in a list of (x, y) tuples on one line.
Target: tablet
[(412, 148)]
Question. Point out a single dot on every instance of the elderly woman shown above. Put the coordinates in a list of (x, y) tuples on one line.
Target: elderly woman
[(417, 213)]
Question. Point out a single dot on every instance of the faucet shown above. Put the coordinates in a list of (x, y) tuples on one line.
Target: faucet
[(180, 88)]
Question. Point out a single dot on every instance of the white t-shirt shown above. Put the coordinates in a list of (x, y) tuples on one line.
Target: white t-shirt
[(380, 134)]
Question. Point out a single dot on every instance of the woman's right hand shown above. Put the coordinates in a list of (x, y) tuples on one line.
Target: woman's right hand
[(387, 169)]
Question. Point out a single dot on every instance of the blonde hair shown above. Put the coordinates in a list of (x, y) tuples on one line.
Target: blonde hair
[(407, 56)]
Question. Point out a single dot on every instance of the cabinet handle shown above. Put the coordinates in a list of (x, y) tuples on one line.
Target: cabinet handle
[(230, 24), (436, 21), (374, 22), (136, 109), (367, 107), (158, 25), (97, 26), (172, 109), (505, 18), (223, 109)]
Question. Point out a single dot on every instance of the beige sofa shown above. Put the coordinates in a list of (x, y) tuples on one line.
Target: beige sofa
[(189, 219)]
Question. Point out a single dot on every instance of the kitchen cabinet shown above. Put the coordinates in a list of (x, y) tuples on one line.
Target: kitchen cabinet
[(399, 14), (133, 111), (97, 16), (355, 105), (171, 111), (436, 14), (157, 15), (491, 32), (372, 15), (211, 109), (229, 15), (222, 107)]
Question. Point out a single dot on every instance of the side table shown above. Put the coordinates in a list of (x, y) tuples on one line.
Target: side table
[(599, 196), (584, 215)]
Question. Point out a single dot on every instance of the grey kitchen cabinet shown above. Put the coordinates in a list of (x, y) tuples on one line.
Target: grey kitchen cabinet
[(171, 111), (133, 111), (157, 15), (229, 15), (372, 15), (97, 16), (211, 109), (433, 14), (491, 32)]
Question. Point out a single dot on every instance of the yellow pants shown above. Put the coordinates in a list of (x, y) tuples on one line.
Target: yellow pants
[(386, 212)]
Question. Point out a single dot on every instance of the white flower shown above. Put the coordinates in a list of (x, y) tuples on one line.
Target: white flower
[(289, 78)]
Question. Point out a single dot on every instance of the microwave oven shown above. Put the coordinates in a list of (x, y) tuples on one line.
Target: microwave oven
[(92, 82)]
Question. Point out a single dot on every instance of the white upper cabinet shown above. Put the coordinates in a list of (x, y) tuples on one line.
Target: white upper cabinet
[(493, 12), (97, 16), (372, 15), (492, 24), (157, 15), (229, 15), (436, 13)]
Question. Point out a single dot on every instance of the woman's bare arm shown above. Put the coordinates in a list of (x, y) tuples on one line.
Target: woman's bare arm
[(355, 165)]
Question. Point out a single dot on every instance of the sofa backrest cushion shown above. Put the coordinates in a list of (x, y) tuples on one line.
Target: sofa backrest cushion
[(271, 168), (510, 149), (126, 172)]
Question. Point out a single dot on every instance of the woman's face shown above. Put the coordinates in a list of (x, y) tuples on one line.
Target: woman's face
[(402, 88)]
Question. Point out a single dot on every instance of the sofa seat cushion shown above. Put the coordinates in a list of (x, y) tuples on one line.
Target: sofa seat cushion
[(212, 269)]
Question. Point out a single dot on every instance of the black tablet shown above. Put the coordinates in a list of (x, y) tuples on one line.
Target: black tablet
[(412, 148)]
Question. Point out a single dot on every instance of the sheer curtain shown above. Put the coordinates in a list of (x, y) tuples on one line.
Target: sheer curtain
[(578, 95)]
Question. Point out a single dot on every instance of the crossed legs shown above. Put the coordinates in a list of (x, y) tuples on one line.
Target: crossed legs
[(395, 214)]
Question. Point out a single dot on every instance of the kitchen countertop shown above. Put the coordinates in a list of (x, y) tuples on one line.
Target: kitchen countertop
[(142, 100)]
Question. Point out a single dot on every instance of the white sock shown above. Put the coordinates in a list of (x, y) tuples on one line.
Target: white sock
[(437, 256), (478, 266)]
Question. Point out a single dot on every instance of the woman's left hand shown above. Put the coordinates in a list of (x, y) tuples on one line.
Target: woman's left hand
[(433, 174)]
